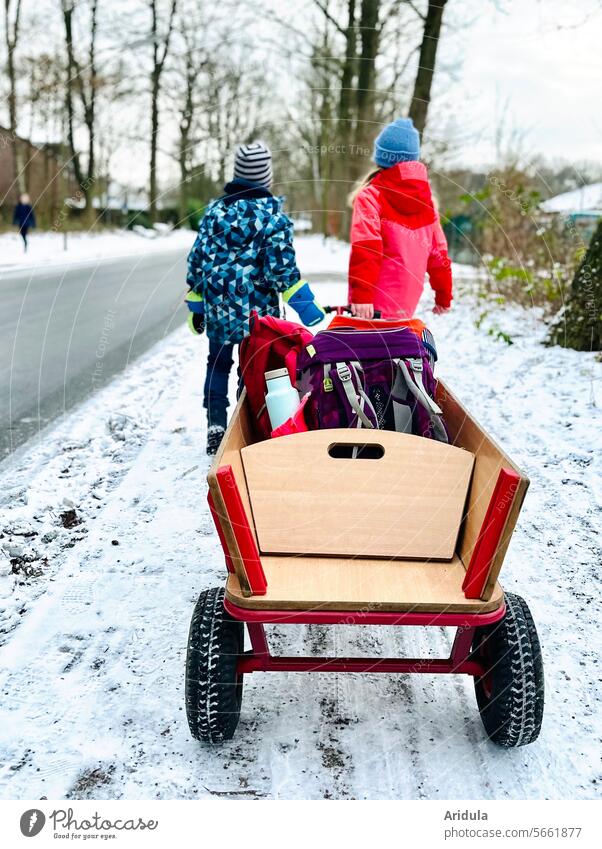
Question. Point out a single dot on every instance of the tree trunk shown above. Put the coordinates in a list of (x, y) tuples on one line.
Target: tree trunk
[(579, 324), (184, 156), (426, 64), (11, 31), (366, 78), (81, 81), (349, 66), (152, 208), (69, 87), (160, 51), (187, 116), (90, 106)]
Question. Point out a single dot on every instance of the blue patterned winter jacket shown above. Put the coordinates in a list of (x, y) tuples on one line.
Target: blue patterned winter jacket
[(243, 257)]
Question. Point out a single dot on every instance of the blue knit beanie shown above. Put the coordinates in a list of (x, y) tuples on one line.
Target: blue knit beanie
[(398, 142)]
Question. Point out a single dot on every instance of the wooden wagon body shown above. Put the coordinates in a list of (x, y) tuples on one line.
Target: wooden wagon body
[(307, 537), (468, 583)]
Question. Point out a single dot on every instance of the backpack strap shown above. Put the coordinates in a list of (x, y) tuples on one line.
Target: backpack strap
[(344, 372), (365, 402), (402, 413), (413, 380)]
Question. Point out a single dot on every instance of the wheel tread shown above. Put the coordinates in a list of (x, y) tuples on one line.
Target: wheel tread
[(513, 715), (213, 689)]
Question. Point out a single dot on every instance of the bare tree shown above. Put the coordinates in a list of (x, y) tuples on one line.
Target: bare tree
[(191, 58), (370, 32), (187, 116), (160, 47), (235, 99), (349, 65), (426, 63), (323, 128), (81, 82), (12, 21), (43, 100)]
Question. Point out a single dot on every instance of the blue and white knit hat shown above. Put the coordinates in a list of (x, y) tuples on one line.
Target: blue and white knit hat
[(253, 163)]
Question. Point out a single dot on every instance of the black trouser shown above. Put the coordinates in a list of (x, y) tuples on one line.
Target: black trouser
[(23, 231), (219, 366)]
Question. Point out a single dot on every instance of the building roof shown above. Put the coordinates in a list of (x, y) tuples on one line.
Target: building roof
[(587, 199)]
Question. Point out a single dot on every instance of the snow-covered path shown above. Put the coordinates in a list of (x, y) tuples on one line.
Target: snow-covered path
[(92, 665)]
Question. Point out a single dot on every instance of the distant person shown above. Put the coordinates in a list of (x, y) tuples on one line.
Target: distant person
[(396, 236), (24, 218), (242, 260)]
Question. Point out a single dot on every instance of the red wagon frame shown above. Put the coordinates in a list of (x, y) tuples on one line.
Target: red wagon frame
[(260, 659)]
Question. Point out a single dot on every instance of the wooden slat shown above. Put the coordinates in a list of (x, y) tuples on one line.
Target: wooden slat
[(406, 504), (325, 583), (477, 572), (241, 528), (235, 438), (466, 432)]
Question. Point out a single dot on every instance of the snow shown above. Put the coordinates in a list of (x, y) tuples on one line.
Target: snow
[(94, 640), (48, 248), (584, 199), (316, 254)]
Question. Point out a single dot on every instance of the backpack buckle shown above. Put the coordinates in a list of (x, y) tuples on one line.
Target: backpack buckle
[(344, 371)]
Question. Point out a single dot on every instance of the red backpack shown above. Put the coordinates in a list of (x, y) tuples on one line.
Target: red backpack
[(272, 343)]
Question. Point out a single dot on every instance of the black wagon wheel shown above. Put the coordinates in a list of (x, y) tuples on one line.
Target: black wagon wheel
[(510, 694), (213, 689)]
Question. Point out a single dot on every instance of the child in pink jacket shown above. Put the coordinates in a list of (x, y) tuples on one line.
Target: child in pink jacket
[(396, 236)]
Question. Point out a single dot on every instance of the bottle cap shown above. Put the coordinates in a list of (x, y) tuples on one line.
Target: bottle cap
[(277, 372)]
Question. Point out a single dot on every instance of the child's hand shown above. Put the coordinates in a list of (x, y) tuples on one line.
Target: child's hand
[(363, 310), (196, 314), (439, 310)]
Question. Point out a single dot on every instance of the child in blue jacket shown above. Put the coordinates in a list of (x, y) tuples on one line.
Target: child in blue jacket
[(242, 260)]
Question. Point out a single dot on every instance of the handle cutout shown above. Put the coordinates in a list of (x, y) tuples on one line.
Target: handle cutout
[(355, 451)]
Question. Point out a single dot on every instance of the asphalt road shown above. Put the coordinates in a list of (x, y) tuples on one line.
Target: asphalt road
[(64, 332)]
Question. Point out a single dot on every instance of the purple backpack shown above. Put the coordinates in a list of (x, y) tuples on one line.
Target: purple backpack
[(371, 378)]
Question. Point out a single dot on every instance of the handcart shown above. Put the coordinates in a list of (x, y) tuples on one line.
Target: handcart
[(362, 527)]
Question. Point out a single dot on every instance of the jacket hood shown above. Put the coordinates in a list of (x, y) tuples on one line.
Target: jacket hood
[(406, 194), (238, 218)]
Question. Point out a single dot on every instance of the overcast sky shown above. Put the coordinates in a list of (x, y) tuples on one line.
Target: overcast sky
[(542, 59)]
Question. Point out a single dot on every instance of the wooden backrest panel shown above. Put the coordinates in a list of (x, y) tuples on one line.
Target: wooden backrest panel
[(310, 496), (466, 432)]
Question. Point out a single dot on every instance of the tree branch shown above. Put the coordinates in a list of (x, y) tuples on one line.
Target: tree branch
[(330, 18)]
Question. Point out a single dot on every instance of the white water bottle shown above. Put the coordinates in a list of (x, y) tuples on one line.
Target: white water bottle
[(282, 398)]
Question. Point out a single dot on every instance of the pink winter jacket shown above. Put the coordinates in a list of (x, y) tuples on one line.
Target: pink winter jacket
[(395, 239)]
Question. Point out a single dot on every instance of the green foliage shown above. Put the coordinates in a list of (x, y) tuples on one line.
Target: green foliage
[(141, 218), (500, 335), (494, 330), (501, 269), (195, 210), (528, 256), (579, 323), (478, 196), (525, 285)]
